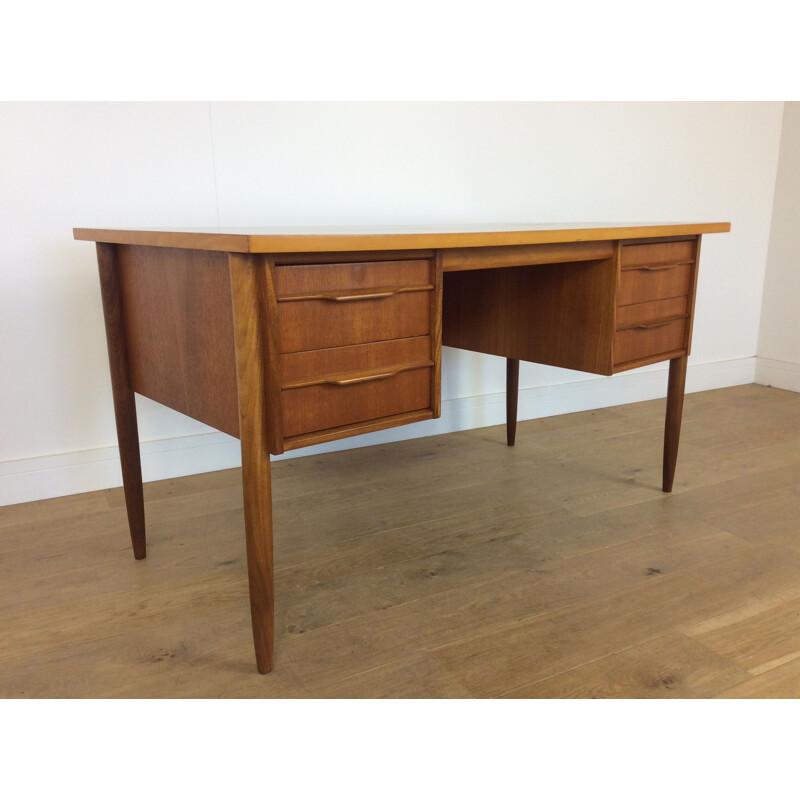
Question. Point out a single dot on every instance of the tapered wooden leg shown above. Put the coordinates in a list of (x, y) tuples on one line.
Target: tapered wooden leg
[(247, 277), (512, 393), (672, 427), (124, 401)]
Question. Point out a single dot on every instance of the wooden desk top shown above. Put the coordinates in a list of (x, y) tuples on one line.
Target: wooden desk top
[(330, 239)]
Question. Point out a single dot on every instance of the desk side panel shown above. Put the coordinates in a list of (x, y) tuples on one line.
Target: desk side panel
[(556, 314), (179, 328)]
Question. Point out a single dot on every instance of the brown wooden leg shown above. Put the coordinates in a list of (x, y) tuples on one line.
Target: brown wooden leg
[(124, 401), (247, 284), (672, 427), (512, 393)]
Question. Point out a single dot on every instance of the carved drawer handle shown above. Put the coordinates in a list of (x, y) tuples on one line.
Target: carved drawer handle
[(661, 268), (333, 297), (654, 325), (344, 298), (355, 378), (364, 378)]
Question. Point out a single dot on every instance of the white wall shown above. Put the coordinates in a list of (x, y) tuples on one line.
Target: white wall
[(779, 341), (199, 164)]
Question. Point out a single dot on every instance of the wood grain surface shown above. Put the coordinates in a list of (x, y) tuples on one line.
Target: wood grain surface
[(548, 314), (288, 240), (179, 328), (451, 566), (122, 388), (248, 281)]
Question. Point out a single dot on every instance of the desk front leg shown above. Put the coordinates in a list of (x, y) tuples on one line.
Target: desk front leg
[(672, 427), (248, 279), (124, 400)]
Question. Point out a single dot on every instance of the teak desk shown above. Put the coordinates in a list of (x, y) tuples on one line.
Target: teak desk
[(287, 338)]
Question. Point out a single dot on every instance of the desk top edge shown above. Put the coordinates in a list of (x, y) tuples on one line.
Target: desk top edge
[(331, 239)]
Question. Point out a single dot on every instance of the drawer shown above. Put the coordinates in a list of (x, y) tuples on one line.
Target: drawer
[(347, 319), (653, 282), (654, 311), (311, 365), (346, 399), (657, 253), (648, 340), (335, 305), (308, 279)]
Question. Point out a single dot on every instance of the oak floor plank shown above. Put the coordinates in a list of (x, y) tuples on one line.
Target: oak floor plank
[(761, 641), (518, 596), (780, 683), (414, 677), (439, 616), (52, 509), (175, 655), (671, 666), (776, 522), (501, 661), (445, 567), (328, 561), (171, 488)]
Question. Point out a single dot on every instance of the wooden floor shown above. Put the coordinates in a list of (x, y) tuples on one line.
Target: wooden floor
[(445, 567)]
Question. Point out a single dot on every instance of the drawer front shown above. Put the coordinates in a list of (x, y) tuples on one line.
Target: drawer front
[(654, 311), (314, 324), (311, 365), (658, 253), (641, 284), (649, 340), (305, 279), (343, 400)]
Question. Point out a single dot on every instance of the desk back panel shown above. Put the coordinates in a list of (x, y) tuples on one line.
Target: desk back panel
[(556, 314)]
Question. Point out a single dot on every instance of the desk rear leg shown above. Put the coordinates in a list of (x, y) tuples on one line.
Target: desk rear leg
[(124, 400), (512, 393)]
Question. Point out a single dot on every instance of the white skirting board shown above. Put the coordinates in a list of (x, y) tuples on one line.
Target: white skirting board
[(780, 374), (62, 474)]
